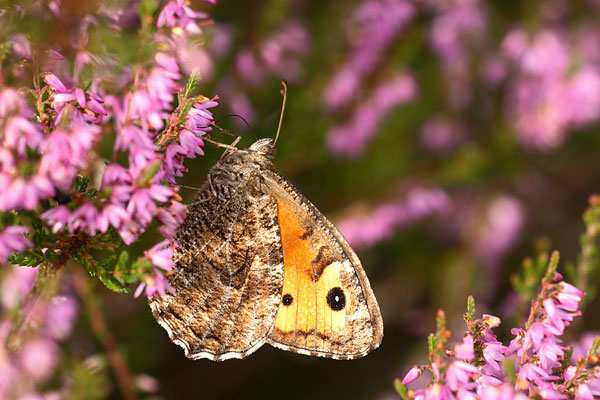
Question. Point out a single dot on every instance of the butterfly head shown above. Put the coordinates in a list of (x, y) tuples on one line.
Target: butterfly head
[(264, 146)]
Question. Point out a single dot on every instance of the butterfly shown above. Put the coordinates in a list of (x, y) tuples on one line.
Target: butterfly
[(256, 263)]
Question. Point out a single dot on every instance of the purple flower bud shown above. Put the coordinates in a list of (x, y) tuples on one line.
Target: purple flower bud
[(16, 285), (61, 314), (57, 218), (13, 240), (464, 350), (39, 357), (412, 374), (161, 255)]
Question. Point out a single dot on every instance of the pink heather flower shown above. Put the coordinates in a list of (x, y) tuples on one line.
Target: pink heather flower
[(19, 132), (57, 218), (412, 375), (84, 219), (142, 204), (503, 222), (90, 106), (238, 102), (135, 139), (13, 240), (351, 138), (21, 46), (536, 352), (39, 357), (456, 25), (112, 215), (221, 40), (555, 89), (23, 194), (249, 68), (170, 219), (199, 121), (385, 220), (115, 174), (442, 135), (279, 55), (162, 81), (461, 375), (176, 14), (65, 152), (11, 102), (153, 284), (160, 255), (16, 285), (146, 383), (375, 24), (195, 60), (464, 351), (61, 313), (582, 347)]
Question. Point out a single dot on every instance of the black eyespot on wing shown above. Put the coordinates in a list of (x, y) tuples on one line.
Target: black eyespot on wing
[(336, 299), (287, 299)]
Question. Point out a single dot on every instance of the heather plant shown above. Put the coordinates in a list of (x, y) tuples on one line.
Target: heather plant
[(447, 139), (536, 363), (539, 360), (90, 157)]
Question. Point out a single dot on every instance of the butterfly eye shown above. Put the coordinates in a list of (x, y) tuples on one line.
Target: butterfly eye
[(287, 299), (336, 299)]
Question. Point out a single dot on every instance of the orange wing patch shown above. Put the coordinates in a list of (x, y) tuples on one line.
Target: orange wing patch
[(311, 270)]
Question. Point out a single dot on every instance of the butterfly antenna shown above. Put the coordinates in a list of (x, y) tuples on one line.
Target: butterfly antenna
[(284, 100), (241, 118)]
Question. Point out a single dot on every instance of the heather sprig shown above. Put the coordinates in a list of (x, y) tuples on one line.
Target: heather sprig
[(79, 205), (535, 364), (90, 151)]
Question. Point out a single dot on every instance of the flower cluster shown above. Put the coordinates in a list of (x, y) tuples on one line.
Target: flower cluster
[(385, 220), (278, 55), (535, 364), (455, 29), (373, 27), (351, 137), (501, 227), (51, 164), (556, 84), (23, 372)]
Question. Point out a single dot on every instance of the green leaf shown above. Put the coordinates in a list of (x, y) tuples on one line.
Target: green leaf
[(28, 258), (111, 282), (101, 263), (87, 383), (150, 172), (470, 314), (595, 346), (401, 388), (81, 183), (552, 266), (509, 368)]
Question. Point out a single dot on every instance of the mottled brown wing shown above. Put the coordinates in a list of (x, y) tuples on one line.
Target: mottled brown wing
[(228, 278), (328, 308)]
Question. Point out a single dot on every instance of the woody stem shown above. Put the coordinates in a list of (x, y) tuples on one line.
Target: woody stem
[(99, 326)]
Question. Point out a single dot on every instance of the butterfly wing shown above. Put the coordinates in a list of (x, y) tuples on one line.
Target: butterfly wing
[(328, 308), (229, 275)]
